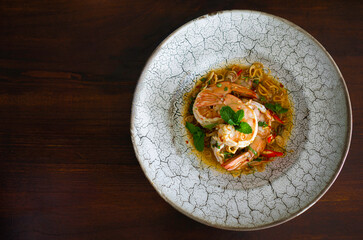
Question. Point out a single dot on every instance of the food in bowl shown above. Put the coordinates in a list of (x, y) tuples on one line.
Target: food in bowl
[(239, 117)]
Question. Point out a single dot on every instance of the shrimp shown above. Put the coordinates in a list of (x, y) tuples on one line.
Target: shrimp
[(259, 143), (210, 100)]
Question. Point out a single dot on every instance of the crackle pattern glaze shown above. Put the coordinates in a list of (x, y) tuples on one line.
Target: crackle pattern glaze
[(319, 140)]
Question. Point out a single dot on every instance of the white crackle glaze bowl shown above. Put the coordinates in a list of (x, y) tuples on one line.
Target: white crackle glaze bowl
[(320, 138)]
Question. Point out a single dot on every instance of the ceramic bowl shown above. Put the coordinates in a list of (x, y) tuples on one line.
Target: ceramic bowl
[(319, 140)]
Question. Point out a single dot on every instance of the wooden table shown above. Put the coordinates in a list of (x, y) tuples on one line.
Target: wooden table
[(68, 70)]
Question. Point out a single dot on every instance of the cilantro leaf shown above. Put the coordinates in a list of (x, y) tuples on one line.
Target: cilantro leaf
[(283, 110), (198, 136), (227, 155), (244, 128), (211, 126), (277, 108), (262, 124), (257, 159)]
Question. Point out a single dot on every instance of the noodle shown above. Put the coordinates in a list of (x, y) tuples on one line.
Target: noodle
[(262, 90)]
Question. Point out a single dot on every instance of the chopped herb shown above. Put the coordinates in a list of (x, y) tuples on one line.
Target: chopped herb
[(256, 81), (227, 155), (209, 82), (190, 109), (216, 145), (252, 150), (263, 99), (198, 136), (219, 84), (211, 126), (262, 124), (235, 119), (249, 165), (225, 88), (277, 108), (257, 159), (203, 79)]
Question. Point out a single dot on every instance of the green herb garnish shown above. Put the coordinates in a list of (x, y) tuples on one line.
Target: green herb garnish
[(203, 79), (219, 84), (227, 155), (256, 81), (277, 108), (252, 150), (244, 128), (211, 126), (257, 159), (216, 145), (225, 88), (198, 136), (262, 124), (234, 119), (190, 109), (249, 165), (263, 99)]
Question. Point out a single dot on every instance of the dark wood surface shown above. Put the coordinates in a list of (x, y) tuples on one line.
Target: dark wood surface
[(68, 70)]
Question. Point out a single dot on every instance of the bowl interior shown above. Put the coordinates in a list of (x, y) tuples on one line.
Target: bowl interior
[(319, 139)]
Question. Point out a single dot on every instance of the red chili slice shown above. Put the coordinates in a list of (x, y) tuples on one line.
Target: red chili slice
[(270, 153)]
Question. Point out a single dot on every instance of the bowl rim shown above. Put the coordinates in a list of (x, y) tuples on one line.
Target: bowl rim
[(347, 140)]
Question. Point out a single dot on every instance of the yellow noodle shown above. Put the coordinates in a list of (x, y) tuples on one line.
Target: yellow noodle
[(262, 90), (231, 149)]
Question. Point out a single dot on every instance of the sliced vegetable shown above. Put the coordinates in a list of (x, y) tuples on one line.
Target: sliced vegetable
[(274, 115), (270, 153), (252, 150), (270, 138), (239, 72)]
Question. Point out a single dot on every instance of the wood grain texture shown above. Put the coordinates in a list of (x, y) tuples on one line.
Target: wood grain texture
[(68, 70)]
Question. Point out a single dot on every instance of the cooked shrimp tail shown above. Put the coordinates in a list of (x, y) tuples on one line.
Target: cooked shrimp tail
[(237, 162)]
